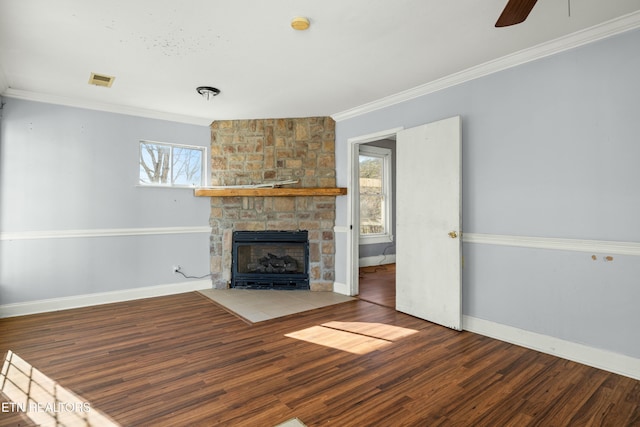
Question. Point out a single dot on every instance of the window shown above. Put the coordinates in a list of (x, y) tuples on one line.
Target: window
[(172, 165), (375, 194)]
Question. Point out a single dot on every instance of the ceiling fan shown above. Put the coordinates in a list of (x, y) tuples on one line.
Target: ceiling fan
[(515, 12)]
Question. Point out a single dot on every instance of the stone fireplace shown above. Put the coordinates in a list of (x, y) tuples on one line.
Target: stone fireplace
[(257, 151), (270, 260)]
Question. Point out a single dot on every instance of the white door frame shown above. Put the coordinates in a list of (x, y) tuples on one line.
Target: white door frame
[(353, 201)]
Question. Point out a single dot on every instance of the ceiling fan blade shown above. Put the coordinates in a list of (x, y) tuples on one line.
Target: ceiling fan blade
[(515, 12)]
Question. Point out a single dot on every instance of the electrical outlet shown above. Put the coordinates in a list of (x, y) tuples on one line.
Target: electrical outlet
[(176, 268)]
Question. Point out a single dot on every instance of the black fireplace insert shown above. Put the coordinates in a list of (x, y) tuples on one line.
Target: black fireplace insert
[(270, 260)]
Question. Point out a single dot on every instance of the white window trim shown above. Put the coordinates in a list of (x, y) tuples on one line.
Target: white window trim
[(205, 164), (385, 154)]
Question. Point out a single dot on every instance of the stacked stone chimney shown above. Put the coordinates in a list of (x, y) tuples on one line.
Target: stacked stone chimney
[(266, 150)]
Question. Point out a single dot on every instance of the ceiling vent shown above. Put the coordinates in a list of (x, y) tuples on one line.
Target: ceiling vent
[(101, 80)]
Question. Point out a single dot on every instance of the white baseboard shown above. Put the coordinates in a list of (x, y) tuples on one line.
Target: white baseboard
[(371, 261), (597, 358), (76, 301), (341, 288)]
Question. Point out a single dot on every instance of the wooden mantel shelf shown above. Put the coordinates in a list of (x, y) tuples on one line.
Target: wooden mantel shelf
[(270, 192)]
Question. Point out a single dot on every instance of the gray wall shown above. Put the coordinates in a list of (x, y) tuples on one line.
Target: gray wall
[(64, 168), (550, 149)]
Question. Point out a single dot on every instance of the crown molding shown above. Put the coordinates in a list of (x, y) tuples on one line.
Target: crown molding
[(610, 28), (607, 29), (100, 106)]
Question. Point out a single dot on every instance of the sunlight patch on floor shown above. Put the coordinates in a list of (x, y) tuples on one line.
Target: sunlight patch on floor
[(43, 400), (353, 337), (378, 330)]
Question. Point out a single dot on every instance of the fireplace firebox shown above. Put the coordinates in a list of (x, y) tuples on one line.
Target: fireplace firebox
[(270, 260)]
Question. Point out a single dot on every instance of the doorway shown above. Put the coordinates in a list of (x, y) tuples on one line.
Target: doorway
[(428, 221), (376, 248), (377, 243)]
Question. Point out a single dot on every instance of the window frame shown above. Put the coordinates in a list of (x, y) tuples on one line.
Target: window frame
[(387, 210), (204, 164)]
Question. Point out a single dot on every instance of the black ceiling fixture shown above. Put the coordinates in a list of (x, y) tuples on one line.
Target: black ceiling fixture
[(515, 12), (208, 91)]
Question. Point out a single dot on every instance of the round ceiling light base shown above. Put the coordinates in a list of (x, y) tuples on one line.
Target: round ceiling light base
[(208, 91)]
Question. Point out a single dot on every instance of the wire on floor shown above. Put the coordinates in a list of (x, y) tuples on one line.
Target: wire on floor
[(381, 266)]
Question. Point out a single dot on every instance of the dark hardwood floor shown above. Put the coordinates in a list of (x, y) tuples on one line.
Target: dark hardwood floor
[(378, 284), (183, 361)]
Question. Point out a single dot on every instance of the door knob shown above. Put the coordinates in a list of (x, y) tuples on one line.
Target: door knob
[(453, 234)]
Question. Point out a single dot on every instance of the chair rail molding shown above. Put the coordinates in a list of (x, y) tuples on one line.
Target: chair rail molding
[(576, 245), (100, 232)]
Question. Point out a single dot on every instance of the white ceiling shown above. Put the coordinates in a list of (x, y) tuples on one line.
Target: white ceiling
[(355, 53)]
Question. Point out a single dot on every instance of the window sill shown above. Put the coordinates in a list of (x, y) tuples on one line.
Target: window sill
[(373, 240)]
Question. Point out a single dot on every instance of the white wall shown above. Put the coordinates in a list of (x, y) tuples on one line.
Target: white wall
[(72, 219), (550, 149)]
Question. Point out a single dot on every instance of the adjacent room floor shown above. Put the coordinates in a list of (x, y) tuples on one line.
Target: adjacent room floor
[(378, 284)]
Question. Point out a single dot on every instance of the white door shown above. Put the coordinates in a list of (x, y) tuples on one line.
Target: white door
[(428, 219)]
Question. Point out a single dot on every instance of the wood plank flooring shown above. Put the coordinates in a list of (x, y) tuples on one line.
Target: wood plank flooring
[(378, 284), (181, 360)]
